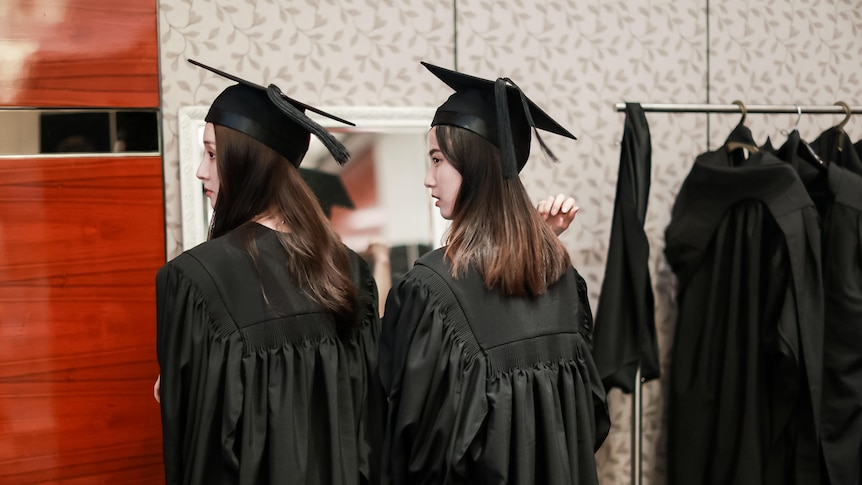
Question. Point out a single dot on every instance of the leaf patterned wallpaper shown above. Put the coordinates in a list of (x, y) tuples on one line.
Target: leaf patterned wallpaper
[(576, 59)]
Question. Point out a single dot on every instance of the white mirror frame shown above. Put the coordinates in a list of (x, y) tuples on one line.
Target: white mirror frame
[(194, 205)]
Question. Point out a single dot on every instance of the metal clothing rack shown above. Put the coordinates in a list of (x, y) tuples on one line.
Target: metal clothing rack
[(749, 108), (735, 107)]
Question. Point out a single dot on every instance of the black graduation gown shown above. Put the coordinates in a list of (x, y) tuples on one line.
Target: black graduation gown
[(837, 193), (745, 382), (842, 366), (836, 147), (488, 389), (256, 388), (625, 336)]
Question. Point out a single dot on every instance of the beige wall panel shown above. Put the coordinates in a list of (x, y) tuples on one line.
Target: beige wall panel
[(785, 53)]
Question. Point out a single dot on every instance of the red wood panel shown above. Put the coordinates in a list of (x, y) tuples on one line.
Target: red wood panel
[(79, 53), (80, 242)]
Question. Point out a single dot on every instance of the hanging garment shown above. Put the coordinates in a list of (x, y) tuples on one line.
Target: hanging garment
[(837, 193), (745, 379), (812, 170), (738, 142), (625, 337), (842, 360), (834, 146)]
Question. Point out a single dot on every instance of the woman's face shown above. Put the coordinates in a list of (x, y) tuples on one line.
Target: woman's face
[(442, 178), (208, 170)]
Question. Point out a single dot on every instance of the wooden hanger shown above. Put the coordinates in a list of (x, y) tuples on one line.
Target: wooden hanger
[(741, 137), (840, 126)]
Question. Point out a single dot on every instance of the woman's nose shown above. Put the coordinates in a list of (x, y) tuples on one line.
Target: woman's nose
[(201, 171)]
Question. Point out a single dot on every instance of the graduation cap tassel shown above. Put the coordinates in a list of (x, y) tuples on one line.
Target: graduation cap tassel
[(532, 123), (504, 127), (545, 147), (338, 151)]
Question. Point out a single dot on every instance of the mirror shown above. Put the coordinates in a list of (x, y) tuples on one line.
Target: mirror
[(78, 131), (384, 179)]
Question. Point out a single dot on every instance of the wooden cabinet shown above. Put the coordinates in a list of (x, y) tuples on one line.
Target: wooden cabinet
[(81, 238), (79, 53)]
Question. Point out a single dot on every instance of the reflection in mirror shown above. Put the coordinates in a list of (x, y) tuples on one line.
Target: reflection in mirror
[(78, 131), (384, 179)]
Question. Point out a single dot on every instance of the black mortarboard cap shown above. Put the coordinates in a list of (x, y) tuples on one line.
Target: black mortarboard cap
[(497, 111), (270, 117), (328, 188)]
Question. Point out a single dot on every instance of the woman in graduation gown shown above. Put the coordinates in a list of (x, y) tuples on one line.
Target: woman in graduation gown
[(267, 332), (485, 348)]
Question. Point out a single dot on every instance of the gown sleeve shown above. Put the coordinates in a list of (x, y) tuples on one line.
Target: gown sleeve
[(435, 386), (194, 345), (372, 416), (172, 353)]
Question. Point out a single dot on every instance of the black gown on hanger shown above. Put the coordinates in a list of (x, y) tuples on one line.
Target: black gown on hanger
[(625, 336), (834, 146), (744, 242), (842, 373), (837, 193)]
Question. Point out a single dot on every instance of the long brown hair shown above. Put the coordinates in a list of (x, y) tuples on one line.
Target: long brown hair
[(495, 226), (254, 179)]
